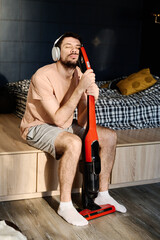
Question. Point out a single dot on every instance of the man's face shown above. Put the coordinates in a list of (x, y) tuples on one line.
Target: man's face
[(70, 48)]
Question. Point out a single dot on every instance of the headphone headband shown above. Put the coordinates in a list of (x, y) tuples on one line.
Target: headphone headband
[(57, 40), (56, 50)]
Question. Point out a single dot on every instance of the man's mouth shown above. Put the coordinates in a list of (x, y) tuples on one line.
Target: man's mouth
[(73, 55)]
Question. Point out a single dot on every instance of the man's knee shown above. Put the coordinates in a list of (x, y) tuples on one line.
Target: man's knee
[(69, 142), (74, 143), (107, 136)]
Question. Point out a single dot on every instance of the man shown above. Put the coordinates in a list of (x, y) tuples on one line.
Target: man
[(55, 92)]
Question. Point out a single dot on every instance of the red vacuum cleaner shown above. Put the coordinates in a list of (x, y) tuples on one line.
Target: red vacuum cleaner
[(90, 166)]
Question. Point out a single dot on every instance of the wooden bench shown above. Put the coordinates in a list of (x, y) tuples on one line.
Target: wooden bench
[(26, 172)]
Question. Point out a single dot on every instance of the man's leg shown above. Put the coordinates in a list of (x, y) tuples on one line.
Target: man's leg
[(69, 145), (107, 142)]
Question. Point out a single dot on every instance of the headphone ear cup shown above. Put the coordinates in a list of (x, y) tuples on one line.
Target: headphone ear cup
[(56, 53)]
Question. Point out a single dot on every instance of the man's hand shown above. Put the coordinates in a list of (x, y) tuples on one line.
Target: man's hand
[(93, 90), (87, 79)]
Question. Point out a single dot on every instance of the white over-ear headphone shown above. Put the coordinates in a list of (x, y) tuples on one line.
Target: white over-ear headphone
[(56, 53)]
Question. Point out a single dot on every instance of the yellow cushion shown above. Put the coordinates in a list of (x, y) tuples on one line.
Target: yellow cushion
[(136, 82), (105, 85)]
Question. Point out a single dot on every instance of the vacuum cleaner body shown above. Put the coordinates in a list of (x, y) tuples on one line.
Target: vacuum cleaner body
[(90, 166)]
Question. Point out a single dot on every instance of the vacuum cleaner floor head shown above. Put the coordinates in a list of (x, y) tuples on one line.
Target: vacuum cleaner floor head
[(104, 210)]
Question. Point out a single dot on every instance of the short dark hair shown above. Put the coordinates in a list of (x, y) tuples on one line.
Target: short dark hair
[(68, 34)]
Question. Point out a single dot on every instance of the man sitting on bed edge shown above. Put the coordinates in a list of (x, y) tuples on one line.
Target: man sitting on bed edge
[(56, 90)]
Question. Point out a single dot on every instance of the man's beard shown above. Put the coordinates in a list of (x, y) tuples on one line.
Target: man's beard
[(69, 64)]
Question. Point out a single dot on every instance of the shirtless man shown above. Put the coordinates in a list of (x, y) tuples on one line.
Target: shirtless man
[(55, 92)]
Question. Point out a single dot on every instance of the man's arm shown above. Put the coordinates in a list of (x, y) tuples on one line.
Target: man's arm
[(64, 112)]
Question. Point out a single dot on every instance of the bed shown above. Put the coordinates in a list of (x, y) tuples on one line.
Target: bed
[(137, 152), (113, 110)]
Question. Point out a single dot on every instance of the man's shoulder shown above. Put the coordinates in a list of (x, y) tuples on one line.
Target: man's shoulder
[(45, 69), (44, 74)]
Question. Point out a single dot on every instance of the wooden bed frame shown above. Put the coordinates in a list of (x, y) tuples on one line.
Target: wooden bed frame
[(26, 172)]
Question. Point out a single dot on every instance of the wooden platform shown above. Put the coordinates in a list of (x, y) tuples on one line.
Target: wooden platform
[(38, 219), (26, 172)]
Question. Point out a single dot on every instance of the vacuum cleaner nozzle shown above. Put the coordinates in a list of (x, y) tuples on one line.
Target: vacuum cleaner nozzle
[(104, 210)]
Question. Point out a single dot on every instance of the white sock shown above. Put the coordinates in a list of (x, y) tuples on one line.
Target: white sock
[(70, 214), (104, 198)]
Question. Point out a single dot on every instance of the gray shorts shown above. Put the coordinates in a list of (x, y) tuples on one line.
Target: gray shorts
[(43, 136)]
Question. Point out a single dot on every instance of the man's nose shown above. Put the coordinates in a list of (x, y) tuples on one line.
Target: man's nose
[(74, 50)]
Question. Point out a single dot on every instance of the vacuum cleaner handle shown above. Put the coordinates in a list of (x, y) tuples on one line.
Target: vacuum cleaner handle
[(90, 150), (91, 134), (85, 57)]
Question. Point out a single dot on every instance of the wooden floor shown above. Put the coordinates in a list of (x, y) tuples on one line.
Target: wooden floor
[(37, 218)]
